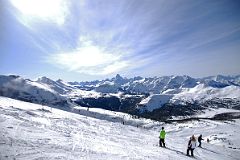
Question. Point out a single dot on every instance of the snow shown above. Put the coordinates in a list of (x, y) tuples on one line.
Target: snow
[(211, 112), (202, 92), (58, 86), (155, 101), (84, 94), (42, 86), (17, 87), (31, 131), (107, 87)]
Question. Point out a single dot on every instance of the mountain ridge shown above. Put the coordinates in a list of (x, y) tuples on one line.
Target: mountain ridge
[(137, 95)]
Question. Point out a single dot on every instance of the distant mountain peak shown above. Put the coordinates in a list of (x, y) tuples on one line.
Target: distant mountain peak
[(45, 80), (59, 80), (118, 77)]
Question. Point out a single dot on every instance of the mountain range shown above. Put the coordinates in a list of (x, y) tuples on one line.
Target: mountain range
[(158, 98)]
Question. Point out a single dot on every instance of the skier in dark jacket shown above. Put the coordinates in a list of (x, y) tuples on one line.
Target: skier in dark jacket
[(200, 140)]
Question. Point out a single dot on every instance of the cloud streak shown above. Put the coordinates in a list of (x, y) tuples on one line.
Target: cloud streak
[(145, 37)]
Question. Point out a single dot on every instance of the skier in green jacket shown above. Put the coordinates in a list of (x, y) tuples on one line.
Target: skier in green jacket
[(162, 138)]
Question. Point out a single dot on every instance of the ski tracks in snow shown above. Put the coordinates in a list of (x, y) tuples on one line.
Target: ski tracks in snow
[(36, 132)]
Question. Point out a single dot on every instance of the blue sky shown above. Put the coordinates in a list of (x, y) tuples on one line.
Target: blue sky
[(82, 40)]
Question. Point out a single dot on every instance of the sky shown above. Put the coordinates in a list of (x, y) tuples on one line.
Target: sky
[(82, 40)]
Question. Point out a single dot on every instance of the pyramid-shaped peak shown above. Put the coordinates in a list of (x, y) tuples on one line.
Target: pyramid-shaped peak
[(118, 76)]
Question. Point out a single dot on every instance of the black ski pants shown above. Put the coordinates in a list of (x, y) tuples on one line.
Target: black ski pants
[(162, 142), (190, 149)]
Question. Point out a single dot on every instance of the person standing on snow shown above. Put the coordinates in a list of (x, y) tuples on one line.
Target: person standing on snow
[(208, 140), (162, 138), (192, 143), (200, 141)]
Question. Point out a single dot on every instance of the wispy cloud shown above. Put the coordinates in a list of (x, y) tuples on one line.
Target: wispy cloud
[(124, 33), (89, 59), (129, 36)]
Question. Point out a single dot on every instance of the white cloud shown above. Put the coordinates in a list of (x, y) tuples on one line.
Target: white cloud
[(115, 67), (53, 10), (89, 59)]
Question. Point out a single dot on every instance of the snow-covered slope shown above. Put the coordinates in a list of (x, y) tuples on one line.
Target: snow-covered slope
[(30, 91), (58, 86), (107, 87), (155, 101), (202, 92), (31, 131), (230, 80)]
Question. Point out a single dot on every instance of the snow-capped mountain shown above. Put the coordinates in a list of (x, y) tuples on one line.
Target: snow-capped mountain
[(32, 91), (58, 86), (131, 95), (157, 85), (229, 80), (178, 90)]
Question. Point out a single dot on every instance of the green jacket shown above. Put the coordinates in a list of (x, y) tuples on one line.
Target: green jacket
[(162, 134)]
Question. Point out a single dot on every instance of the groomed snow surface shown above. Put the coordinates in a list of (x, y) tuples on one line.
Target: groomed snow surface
[(30, 131)]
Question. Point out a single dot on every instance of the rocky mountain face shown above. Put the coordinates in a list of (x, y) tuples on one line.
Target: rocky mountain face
[(157, 98)]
